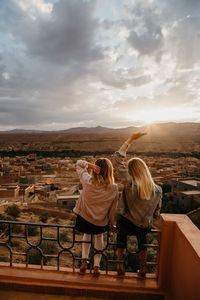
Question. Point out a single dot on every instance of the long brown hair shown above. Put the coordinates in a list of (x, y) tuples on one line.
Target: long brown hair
[(105, 178), (140, 173)]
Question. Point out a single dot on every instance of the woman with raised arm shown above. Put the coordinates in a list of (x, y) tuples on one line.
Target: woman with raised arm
[(140, 203), (96, 206)]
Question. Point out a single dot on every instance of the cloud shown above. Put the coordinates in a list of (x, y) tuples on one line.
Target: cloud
[(184, 42), (174, 97), (34, 6), (80, 62), (168, 28), (67, 37)]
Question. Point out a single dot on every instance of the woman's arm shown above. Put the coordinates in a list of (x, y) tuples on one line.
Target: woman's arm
[(156, 214), (113, 209), (129, 141), (113, 212), (81, 169), (119, 156)]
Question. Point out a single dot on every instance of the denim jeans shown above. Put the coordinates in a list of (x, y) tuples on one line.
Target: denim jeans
[(126, 227)]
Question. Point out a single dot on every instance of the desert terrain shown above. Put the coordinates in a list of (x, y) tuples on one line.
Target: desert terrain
[(166, 137)]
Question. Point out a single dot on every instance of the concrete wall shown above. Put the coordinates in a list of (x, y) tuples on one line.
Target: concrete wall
[(7, 179), (179, 260), (179, 185), (8, 192), (188, 199)]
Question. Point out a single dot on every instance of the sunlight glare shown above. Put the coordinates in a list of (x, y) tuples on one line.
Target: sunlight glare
[(159, 115)]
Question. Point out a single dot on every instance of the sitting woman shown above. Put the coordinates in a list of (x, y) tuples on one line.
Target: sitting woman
[(96, 206), (140, 203)]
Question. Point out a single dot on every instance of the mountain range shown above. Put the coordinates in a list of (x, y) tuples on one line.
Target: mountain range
[(170, 127), (162, 137)]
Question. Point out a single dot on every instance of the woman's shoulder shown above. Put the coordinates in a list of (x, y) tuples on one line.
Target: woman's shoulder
[(158, 189)]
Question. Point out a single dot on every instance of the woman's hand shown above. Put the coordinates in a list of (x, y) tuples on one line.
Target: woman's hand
[(135, 136), (94, 167), (113, 228)]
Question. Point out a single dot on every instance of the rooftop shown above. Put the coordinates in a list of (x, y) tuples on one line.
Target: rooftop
[(67, 197), (195, 192), (191, 182)]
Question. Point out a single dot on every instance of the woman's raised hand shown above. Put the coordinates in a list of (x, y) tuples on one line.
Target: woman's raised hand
[(135, 136), (94, 167)]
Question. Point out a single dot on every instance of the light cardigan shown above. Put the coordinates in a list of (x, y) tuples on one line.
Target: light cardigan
[(95, 205)]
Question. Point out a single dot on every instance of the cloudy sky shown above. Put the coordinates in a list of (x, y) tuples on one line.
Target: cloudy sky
[(114, 63)]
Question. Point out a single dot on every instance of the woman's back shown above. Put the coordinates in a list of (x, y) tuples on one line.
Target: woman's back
[(139, 211), (95, 204)]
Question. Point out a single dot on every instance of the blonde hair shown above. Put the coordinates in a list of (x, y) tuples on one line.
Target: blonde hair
[(140, 173), (105, 178)]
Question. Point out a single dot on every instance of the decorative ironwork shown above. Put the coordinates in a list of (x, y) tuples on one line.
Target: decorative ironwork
[(109, 257)]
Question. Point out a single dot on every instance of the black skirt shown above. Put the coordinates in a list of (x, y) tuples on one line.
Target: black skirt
[(86, 227)]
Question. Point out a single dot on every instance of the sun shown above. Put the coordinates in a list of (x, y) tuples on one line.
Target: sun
[(158, 115), (152, 116)]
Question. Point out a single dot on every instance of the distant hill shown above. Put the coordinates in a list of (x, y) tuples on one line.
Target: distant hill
[(70, 130), (162, 137), (160, 128), (22, 131), (87, 129)]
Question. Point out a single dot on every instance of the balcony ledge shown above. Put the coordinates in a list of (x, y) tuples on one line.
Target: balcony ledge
[(73, 284)]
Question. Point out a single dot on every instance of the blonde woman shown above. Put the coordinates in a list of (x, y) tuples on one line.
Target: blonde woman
[(96, 206), (140, 203)]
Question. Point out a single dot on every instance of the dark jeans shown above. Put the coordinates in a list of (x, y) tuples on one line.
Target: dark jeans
[(126, 227)]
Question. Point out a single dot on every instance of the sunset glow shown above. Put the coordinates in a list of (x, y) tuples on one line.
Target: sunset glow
[(160, 115)]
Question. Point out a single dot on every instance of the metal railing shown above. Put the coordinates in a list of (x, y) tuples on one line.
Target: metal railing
[(40, 244)]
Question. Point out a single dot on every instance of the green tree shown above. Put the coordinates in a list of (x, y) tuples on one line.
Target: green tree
[(34, 255), (13, 211), (53, 187), (4, 227), (44, 217)]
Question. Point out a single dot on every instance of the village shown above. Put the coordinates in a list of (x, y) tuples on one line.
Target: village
[(53, 182)]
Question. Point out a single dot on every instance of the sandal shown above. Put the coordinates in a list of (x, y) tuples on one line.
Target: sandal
[(141, 273), (96, 271), (120, 270)]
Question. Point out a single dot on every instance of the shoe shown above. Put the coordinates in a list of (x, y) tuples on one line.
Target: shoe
[(120, 270), (96, 271), (141, 273), (83, 266)]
